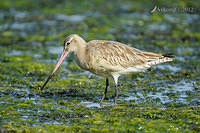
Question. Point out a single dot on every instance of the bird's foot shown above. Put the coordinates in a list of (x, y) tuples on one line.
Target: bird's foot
[(101, 104)]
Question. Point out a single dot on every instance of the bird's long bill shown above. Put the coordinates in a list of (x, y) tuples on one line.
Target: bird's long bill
[(64, 54)]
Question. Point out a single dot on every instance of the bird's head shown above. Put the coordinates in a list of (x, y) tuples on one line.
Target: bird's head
[(71, 44)]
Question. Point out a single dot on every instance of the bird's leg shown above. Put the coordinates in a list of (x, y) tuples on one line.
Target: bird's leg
[(105, 91), (116, 93), (115, 77)]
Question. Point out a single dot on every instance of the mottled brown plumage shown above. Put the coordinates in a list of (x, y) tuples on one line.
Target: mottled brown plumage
[(109, 58)]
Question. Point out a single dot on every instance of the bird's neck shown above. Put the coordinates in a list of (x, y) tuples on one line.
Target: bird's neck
[(80, 55)]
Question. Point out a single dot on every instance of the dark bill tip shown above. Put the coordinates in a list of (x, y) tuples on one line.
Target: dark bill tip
[(46, 82)]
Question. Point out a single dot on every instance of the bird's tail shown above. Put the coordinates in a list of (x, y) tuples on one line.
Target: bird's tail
[(160, 59)]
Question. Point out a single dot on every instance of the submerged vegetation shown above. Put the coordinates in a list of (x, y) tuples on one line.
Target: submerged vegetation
[(165, 99)]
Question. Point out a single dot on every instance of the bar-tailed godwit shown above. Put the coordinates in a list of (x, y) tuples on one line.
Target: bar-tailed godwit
[(108, 59)]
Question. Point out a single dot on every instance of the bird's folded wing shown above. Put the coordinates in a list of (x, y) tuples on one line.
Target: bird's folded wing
[(117, 54)]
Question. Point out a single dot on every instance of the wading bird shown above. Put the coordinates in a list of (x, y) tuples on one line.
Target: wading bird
[(108, 59)]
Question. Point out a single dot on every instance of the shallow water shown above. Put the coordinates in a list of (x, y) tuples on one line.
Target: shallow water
[(164, 99), (92, 105)]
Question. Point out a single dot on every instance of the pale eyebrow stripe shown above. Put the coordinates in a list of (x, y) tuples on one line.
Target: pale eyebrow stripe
[(71, 39)]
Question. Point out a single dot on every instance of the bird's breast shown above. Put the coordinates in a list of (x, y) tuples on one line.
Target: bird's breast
[(81, 62), (94, 66)]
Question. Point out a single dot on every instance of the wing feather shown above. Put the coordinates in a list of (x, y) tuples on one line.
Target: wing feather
[(115, 53)]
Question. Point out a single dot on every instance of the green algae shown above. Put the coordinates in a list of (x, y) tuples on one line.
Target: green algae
[(165, 99)]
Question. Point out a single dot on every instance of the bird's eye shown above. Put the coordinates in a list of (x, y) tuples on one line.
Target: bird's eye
[(68, 43)]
